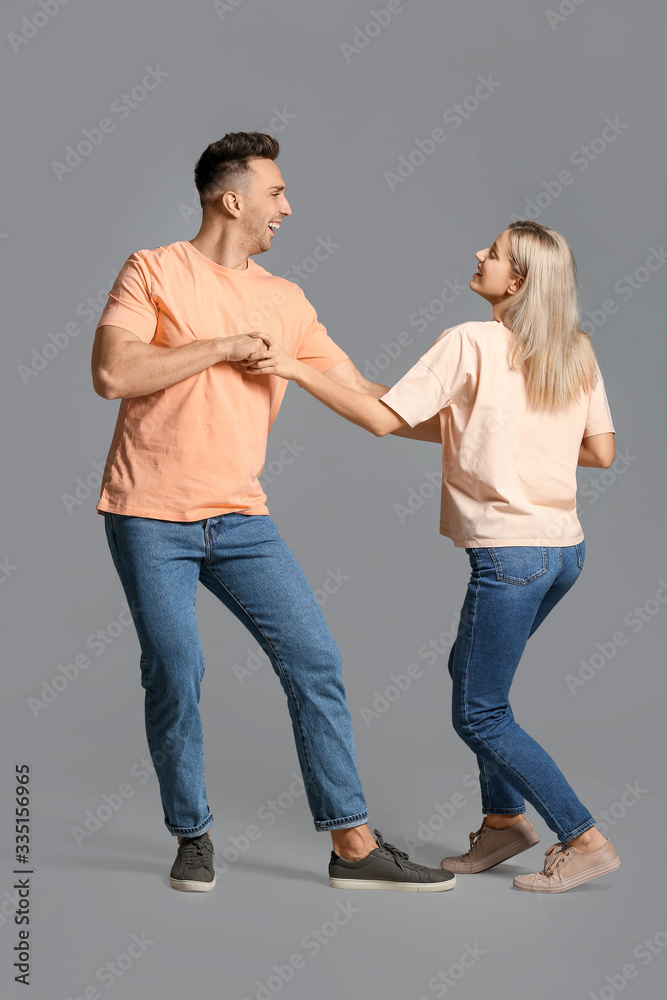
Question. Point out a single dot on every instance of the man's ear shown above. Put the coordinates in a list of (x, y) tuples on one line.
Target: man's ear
[(230, 202)]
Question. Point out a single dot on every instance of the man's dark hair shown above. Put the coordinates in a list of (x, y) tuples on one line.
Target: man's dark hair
[(225, 161)]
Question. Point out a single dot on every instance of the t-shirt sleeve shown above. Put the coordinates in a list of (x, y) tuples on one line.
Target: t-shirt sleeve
[(131, 304), (316, 348), (434, 380), (598, 419)]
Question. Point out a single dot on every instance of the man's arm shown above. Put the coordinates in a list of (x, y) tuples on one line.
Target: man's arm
[(123, 365), (345, 373)]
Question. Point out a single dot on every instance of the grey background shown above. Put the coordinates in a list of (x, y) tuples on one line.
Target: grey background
[(65, 240)]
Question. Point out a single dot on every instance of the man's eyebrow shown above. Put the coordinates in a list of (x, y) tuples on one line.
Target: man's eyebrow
[(277, 187)]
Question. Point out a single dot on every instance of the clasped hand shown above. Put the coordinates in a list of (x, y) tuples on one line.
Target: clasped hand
[(270, 358)]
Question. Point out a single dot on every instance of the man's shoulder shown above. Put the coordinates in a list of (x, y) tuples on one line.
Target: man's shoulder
[(289, 287), (289, 291)]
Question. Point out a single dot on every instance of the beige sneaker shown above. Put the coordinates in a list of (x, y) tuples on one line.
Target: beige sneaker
[(565, 867), (489, 847)]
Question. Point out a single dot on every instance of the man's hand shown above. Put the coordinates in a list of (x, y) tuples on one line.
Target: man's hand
[(240, 347), (270, 358)]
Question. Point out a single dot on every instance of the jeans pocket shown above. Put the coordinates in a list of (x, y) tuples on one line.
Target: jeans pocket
[(520, 564), (581, 553)]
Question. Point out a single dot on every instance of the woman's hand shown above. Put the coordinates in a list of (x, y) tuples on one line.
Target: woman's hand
[(270, 358)]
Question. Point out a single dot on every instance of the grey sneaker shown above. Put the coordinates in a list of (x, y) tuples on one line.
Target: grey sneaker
[(387, 868), (193, 868), (489, 847)]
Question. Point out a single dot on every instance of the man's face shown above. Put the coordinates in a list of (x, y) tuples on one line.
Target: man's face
[(493, 280), (264, 202)]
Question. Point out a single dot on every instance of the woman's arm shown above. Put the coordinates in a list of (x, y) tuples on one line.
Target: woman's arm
[(357, 407), (597, 450), (346, 373)]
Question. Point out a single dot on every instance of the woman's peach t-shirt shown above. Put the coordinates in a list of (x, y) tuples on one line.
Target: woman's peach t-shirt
[(509, 471)]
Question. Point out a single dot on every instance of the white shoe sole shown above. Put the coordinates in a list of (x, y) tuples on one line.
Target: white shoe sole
[(191, 886), (359, 883), (574, 880)]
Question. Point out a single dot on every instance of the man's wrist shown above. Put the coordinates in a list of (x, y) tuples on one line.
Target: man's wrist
[(301, 373)]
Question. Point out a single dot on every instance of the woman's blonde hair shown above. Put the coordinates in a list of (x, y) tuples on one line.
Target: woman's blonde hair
[(555, 355)]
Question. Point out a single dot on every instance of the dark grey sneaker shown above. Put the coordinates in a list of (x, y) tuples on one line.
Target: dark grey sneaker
[(193, 868), (387, 868)]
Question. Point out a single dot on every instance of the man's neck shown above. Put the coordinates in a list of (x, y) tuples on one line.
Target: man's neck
[(220, 249)]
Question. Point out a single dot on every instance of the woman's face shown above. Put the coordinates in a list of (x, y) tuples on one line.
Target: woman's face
[(492, 279)]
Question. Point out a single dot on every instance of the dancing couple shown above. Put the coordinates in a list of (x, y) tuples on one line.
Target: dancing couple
[(198, 341)]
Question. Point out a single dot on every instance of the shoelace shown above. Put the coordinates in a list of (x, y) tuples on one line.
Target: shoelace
[(194, 853), (400, 857), (553, 858), (474, 840)]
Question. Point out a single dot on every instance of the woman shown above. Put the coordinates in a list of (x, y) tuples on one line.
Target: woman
[(520, 402)]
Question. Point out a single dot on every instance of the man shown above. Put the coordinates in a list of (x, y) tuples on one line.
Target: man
[(182, 503)]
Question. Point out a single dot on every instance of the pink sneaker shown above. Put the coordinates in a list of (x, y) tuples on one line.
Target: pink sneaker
[(489, 847), (565, 867)]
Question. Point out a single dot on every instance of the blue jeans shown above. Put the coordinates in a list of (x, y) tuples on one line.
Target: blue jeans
[(241, 559), (511, 591)]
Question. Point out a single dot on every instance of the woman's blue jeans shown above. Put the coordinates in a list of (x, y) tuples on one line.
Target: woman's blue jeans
[(241, 559), (511, 591)]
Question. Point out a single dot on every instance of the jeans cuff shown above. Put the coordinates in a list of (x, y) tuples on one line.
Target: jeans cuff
[(505, 812), (580, 829), (341, 824), (191, 831)]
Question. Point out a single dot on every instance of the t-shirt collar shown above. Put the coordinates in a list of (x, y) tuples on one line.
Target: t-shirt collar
[(219, 267)]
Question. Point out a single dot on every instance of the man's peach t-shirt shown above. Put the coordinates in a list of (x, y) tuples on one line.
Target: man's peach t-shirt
[(509, 471), (196, 448)]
